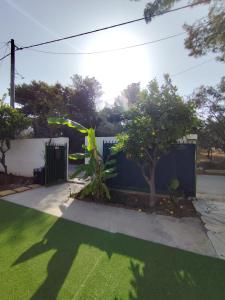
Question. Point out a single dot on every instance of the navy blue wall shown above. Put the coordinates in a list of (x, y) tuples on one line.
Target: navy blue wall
[(178, 163)]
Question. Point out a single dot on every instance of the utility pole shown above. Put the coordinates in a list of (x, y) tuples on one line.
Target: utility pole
[(12, 81)]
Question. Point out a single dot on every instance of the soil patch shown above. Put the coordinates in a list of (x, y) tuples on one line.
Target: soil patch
[(9, 181), (139, 202)]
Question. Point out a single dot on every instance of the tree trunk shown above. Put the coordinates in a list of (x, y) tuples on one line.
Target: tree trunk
[(152, 196), (2, 158), (209, 155), (150, 180), (3, 163)]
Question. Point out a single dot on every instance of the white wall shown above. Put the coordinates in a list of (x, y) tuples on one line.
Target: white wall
[(189, 139), (100, 143), (27, 154)]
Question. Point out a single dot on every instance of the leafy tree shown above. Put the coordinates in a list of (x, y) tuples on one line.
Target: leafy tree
[(210, 103), (150, 127), (132, 93), (12, 122), (206, 34), (110, 120), (81, 99), (84, 93), (2, 99), (76, 101), (96, 170), (129, 96), (38, 100), (207, 138)]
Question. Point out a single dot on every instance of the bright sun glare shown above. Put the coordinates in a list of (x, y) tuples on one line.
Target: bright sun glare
[(115, 70)]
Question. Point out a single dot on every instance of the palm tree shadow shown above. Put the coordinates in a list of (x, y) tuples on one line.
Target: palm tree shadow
[(65, 240), (160, 273), (59, 264)]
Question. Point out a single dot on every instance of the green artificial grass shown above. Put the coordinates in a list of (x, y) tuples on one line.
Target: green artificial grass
[(46, 258)]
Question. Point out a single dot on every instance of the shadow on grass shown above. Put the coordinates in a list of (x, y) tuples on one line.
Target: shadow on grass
[(164, 273)]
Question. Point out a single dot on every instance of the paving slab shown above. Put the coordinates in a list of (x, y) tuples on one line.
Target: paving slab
[(185, 233), (21, 189), (6, 192), (213, 217), (34, 186)]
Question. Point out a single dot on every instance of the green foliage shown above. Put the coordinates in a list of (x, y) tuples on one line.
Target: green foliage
[(132, 93), (205, 35), (83, 96), (95, 171), (76, 101), (150, 127), (12, 122), (109, 120), (156, 122), (174, 192), (40, 100), (210, 103), (174, 184), (69, 123)]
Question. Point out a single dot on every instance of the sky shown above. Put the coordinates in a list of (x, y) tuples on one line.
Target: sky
[(30, 21)]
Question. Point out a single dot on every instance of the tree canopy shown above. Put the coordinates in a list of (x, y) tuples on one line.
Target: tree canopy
[(109, 120), (38, 100), (76, 101), (158, 120), (83, 96), (12, 122), (210, 103), (206, 34), (132, 93)]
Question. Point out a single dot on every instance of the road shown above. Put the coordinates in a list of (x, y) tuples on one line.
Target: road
[(211, 187)]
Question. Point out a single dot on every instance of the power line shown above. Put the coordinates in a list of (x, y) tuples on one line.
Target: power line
[(19, 74), (6, 48), (108, 27), (110, 50), (101, 29), (193, 67), (5, 44), (5, 56)]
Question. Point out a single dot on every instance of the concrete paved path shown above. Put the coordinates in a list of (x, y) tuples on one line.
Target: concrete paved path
[(211, 187), (185, 233), (213, 216)]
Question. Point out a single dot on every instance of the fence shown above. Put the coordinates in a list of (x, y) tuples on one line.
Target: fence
[(55, 163), (179, 162), (27, 154)]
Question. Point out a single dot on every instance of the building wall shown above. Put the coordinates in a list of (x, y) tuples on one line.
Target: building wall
[(27, 154), (100, 141)]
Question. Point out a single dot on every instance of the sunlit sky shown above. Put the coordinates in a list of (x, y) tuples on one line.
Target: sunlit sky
[(30, 21)]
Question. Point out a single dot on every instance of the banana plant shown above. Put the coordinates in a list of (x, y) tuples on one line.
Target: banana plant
[(95, 171)]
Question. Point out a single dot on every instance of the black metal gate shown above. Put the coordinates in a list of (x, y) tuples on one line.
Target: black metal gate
[(179, 162), (55, 163)]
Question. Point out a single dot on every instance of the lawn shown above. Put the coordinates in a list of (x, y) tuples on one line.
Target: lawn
[(46, 258)]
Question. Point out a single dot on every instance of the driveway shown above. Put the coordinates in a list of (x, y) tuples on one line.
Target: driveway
[(213, 217), (186, 233), (211, 187)]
